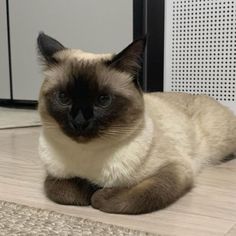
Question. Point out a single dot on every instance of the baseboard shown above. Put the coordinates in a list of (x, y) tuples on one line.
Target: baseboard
[(26, 104)]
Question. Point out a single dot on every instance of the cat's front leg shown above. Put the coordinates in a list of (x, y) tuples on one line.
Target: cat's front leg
[(74, 191), (154, 193)]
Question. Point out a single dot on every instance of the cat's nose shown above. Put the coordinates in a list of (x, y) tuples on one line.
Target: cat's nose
[(77, 112), (79, 125), (79, 121)]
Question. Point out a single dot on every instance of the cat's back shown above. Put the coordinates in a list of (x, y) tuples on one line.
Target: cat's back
[(201, 110), (169, 106), (193, 106), (212, 125), (178, 102)]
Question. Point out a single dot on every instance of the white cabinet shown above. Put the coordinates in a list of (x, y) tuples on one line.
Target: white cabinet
[(96, 26), (4, 60)]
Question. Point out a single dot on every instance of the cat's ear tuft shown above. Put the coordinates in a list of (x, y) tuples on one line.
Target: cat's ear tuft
[(47, 47), (131, 58)]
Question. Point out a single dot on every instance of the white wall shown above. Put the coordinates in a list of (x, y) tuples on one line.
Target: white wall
[(96, 26), (4, 64)]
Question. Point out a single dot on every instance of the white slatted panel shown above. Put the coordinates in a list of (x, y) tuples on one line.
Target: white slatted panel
[(200, 49)]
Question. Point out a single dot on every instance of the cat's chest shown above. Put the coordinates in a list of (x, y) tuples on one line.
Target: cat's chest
[(106, 167)]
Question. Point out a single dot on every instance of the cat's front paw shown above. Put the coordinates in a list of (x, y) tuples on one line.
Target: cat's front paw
[(74, 191), (111, 200)]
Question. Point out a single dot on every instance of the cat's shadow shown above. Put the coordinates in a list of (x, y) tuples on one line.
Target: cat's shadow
[(229, 158)]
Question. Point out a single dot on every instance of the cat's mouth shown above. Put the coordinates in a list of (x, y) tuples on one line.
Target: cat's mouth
[(80, 135)]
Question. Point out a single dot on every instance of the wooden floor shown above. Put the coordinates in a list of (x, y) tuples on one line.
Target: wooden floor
[(209, 209)]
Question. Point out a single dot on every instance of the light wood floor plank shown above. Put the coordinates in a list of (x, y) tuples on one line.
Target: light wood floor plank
[(232, 231)]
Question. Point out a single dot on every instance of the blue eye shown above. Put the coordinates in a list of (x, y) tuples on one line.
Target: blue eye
[(104, 101), (63, 99)]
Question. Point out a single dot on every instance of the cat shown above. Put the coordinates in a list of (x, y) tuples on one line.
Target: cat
[(106, 143)]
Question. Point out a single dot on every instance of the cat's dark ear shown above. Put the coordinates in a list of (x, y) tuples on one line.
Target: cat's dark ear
[(47, 47), (130, 59)]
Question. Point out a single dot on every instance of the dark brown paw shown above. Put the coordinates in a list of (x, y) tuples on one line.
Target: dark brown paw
[(73, 191), (111, 200)]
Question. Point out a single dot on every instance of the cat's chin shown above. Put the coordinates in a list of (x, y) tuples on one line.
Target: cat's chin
[(82, 139), (85, 139)]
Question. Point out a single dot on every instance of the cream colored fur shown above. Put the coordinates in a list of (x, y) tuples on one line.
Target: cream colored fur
[(81, 55), (190, 131)]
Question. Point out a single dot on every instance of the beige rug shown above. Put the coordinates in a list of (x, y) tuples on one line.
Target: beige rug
[(22, 220), (14, 118)]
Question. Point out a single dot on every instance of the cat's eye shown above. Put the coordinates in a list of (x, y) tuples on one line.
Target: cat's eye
[(63, 99), (104, 100)]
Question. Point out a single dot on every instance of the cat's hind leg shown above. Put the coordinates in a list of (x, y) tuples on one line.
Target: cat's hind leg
[(154, 193), (74, 191)]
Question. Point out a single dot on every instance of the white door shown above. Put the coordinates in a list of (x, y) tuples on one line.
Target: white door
[(4, 61), (96, 26)]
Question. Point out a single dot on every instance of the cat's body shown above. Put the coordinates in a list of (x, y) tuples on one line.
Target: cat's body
[(183, 128), (146, 167)]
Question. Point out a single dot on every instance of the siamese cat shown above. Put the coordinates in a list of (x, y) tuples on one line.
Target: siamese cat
[(106, 143)]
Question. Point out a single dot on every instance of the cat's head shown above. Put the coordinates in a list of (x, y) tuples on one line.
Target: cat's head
[(89, 95)]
